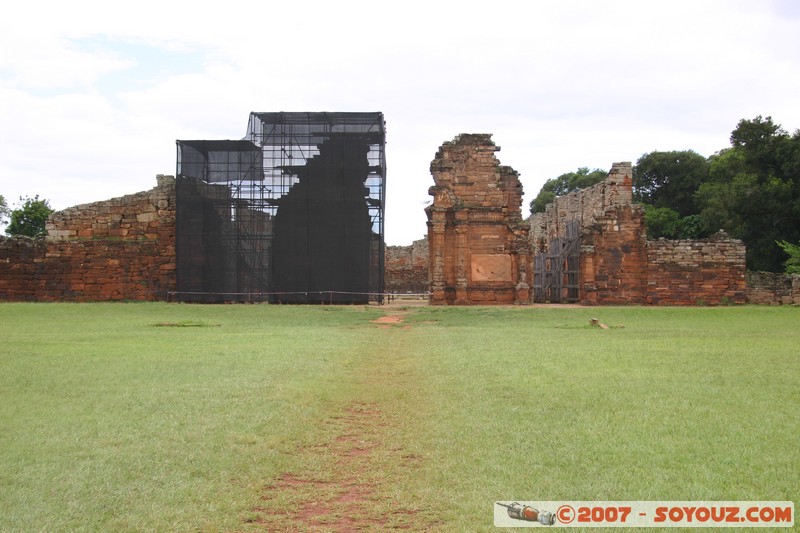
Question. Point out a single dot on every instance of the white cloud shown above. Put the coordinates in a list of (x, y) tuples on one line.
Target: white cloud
[(93, 98)]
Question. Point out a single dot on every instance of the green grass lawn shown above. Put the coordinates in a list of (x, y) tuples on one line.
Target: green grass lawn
[(169, 417)]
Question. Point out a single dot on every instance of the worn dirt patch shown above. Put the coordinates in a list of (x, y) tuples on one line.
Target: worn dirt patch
[(388, 321), (391, 320), (347, 496)]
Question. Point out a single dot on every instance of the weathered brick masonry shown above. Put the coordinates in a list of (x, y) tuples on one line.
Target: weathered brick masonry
[(691, 272), (118, 249), (406, 268), (773, 289), (124, 248), (478, 240), (619, 266)]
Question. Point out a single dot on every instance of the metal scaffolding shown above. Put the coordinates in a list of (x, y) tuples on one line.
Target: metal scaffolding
[(293, 213)]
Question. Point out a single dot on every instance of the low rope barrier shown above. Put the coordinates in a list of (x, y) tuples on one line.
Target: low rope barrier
[(260, 296)]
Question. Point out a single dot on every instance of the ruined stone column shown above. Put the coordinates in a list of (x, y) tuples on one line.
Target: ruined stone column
[(524, 267), (475, 225), (436, 226), (462, 258)]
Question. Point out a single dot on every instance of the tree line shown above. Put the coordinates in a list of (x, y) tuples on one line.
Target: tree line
[(750, 189)]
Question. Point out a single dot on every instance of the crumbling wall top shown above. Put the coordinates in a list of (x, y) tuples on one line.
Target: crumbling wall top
[(133, 216), (588, 205), (467, 173)]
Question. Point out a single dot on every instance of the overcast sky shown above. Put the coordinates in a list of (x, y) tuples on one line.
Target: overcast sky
[(93, 95)]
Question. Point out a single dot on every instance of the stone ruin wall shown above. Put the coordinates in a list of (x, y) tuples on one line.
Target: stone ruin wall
[(769, 288), (478, 240), (406, 268), (124, 249), (118, 249), (619, 266), (695, 272), (587, 205), (613, 256)]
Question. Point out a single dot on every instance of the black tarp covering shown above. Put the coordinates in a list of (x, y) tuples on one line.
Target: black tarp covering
[(292, 214), (220, 161)]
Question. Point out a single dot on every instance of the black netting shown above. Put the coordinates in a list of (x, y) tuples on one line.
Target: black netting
[(292, 213)]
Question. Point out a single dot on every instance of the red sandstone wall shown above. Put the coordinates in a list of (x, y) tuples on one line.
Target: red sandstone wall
[(618, 265), (119, 249), (478, 241), (692, 272), (148, 215), (614, 259), (22, 269), (406, 268), (584, 205)]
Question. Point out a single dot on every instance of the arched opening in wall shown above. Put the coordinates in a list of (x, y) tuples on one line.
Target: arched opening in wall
[(450, 295)]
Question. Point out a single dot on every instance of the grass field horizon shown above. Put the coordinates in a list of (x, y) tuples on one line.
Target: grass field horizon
[(171, 417)]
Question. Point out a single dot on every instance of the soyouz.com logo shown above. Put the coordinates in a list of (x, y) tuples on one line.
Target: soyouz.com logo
[(643, 514)]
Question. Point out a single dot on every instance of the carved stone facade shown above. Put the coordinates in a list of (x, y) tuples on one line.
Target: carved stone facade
[(479, 249)]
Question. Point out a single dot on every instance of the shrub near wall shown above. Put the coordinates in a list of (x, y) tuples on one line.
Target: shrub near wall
[(119, 249)]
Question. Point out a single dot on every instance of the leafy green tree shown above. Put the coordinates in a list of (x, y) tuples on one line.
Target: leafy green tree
[(753, 191), (660, 221), (670, 180), (30, 218), (692, 227), (761, 142), (793, 251), (565, 183), (667, 223), (4, 210), (666, 183)]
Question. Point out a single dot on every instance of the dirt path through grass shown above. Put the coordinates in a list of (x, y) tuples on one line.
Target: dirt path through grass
[(355, 468), (340, 418), (340, 498)]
